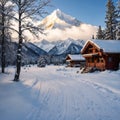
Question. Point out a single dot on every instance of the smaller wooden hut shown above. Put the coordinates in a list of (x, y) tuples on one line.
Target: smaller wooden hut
[(102, 54), (76, 60)]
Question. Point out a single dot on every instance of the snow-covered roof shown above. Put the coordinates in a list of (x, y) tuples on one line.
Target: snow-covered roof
[(76, 57), (108, 46)]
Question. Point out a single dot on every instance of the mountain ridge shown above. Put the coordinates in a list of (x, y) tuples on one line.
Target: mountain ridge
[(61, 47)]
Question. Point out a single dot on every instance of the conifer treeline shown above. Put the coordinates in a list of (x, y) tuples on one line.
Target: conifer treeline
[(112, 20)]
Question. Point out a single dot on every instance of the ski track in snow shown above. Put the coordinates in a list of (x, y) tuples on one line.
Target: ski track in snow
[(61, 100), (68, 95)]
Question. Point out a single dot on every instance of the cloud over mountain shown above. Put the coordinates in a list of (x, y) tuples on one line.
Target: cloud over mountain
[(60, 26)]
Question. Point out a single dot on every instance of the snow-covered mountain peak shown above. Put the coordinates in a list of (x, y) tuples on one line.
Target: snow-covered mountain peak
[(61, 26), (57, 12), (58, 19), (61, 15)]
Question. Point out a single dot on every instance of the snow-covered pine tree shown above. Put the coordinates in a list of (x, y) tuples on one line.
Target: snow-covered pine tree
[(110, 31), (118, 21), (100, 34), (41, 62)]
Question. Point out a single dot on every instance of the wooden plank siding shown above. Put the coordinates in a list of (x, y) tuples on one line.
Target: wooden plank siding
[(96, 57), (112, 61)]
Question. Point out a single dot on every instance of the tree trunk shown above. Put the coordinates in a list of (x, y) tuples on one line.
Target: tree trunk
[(3, 43), (18, 64), (18, 61)]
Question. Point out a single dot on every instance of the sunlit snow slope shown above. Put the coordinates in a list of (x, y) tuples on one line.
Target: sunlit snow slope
[(59, 93)]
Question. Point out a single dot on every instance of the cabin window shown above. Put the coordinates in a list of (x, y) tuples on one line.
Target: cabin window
[(110, 59)]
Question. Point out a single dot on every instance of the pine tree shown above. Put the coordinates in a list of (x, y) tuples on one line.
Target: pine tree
[(41, 62), (100, 34), (118, 21), (110, 31)]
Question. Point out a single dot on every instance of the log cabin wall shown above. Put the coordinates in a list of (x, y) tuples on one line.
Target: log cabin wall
[(95, 57), (96, 61), (74, 63), (112, 61), (102, 57)]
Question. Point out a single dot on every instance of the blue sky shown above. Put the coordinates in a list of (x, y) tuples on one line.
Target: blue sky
[(88, 11)]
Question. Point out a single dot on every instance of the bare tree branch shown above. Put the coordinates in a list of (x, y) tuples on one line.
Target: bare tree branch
[(5, 10), (27, 9)]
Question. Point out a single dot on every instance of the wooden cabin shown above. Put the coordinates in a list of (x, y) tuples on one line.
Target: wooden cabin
[(102, 54), (75, 60)]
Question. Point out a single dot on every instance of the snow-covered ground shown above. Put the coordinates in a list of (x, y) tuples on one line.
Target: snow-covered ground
[(59, 93)]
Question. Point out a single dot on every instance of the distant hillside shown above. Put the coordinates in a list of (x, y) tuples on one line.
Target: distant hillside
[(30, 53), (53, 52)]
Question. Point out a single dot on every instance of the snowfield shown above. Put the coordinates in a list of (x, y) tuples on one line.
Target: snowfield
[(59, 93)]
